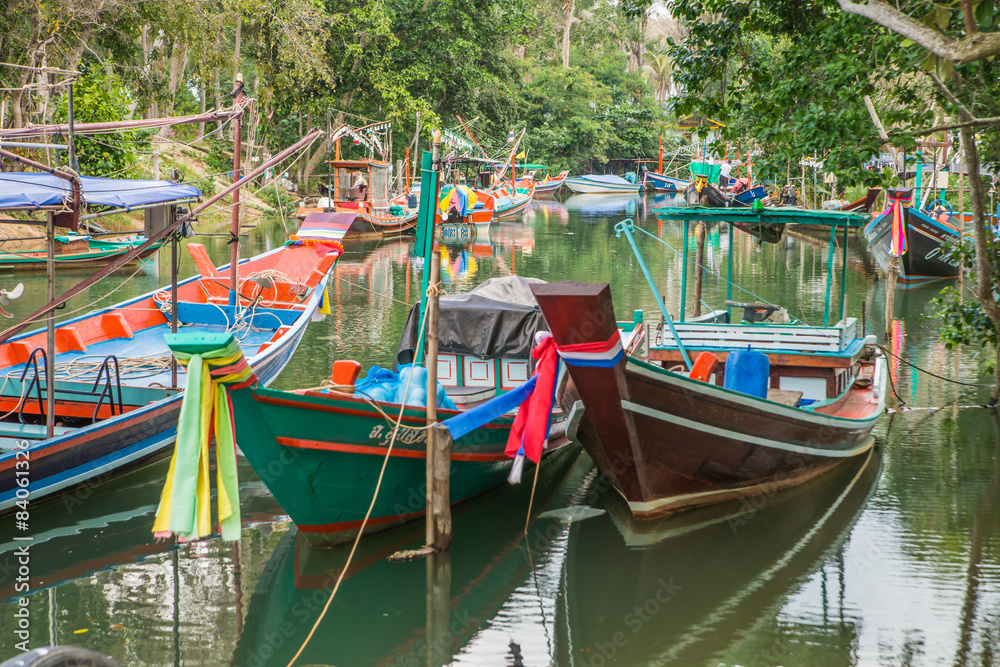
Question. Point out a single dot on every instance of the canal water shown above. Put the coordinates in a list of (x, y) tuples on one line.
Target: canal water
[(892, 560)]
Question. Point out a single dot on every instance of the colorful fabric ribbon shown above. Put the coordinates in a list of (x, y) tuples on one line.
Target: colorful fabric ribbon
[(602, 354), (214, 361), (530, 430), (897, 245)]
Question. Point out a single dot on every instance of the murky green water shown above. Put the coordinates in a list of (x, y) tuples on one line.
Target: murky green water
[(892, 560)]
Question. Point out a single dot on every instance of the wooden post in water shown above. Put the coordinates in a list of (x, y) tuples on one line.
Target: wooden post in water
[(437, 628), (438, 517), (699, 259)]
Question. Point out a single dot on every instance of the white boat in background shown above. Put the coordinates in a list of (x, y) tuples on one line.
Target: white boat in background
[(600, 184)]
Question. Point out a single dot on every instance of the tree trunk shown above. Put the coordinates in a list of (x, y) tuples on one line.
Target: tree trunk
[(568, 6), (985, 274)]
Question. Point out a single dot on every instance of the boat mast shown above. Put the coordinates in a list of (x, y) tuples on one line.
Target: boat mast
[(234, 231)]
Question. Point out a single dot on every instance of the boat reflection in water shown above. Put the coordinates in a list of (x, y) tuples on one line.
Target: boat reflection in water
[(422, 612), (630, 205), (605, 589), (685, 590), (664, 199)]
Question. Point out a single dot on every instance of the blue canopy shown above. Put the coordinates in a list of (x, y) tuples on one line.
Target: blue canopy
[(36, 189)]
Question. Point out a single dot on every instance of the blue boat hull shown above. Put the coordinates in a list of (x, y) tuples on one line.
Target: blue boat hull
[(113, 446)]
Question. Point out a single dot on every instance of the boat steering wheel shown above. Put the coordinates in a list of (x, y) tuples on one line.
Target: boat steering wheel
[(941, 206)]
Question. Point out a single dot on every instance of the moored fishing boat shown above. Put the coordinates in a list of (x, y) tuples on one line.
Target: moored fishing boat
[(512, 200), (74, 251), (664, 183), (548, 185), (916, 238), (115, 400), (320, 451), (762, 407), (601, 184)]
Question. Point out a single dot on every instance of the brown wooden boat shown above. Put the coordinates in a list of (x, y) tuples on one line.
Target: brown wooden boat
[(670, 442)]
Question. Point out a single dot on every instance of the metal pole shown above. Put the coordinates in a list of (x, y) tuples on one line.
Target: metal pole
[(134, 253), (174, 242), (70, 142), (684, 272), (829, 275), (50, 340), (234, 240), (626, 227), (729, 273), (843, 280)]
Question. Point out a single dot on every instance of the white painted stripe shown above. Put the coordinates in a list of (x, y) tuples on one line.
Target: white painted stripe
[(40, 489), (594, 356), (741, 437), (818, 418)]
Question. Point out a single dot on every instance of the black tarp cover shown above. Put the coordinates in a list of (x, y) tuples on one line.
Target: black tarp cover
[(498, 318)]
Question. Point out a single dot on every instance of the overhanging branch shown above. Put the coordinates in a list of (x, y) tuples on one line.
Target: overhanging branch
[(960, 51)]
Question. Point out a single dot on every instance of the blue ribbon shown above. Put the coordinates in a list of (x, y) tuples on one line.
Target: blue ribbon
[(481, 415)]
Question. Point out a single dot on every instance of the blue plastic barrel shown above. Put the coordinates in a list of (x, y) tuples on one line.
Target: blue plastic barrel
[(748, 372), (411, 201)]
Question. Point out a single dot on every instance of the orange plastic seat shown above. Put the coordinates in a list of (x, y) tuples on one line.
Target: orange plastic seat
[(703, 367)]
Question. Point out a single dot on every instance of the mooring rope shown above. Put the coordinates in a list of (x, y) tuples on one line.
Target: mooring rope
[(924, 370), (371, 506)]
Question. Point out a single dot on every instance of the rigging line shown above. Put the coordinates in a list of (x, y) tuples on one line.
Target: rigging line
[(711, 272), (364, 522), (935, 375), (89, 305), (360, 286)]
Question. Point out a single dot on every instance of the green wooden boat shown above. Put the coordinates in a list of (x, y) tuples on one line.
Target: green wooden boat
[(320, 453)]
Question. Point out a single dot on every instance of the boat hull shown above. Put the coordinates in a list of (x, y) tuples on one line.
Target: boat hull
[(663, 183), (321, 457), (113, 446), (924, 261), (585, 186), (670, 443)]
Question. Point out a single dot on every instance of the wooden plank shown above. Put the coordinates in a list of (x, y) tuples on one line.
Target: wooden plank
[(784, 396), (776, 358)]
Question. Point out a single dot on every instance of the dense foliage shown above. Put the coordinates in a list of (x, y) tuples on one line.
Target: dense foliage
[(573, 74)]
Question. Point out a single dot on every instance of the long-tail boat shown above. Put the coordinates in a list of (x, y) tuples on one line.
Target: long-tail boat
[(320, 451), (600, 184), (115, 401), (916, 237), (75, 251), (548, 185), (763, 406)]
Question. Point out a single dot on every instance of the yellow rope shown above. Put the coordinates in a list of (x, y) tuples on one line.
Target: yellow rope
[(364, 523)]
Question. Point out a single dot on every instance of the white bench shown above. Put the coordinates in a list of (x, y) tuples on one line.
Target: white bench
[(776, 337)]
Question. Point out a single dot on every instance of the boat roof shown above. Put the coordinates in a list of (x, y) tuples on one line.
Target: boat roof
[(498, 318), (32, 189), (768, 215)]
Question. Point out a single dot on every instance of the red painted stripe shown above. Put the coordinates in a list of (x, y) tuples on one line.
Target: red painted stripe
[(301, 443), (274, 400), (350, 525)]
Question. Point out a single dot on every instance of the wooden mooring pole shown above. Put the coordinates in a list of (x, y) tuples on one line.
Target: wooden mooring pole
[(438, 522)]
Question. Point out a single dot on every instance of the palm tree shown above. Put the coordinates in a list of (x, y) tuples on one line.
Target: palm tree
[(659, 68)]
